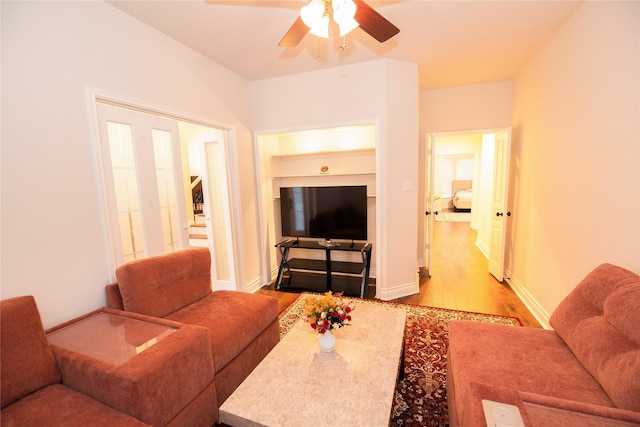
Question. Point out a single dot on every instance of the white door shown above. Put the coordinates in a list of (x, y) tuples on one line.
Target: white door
[(499, 208), (217, 212), (430, 208), (143, 183)]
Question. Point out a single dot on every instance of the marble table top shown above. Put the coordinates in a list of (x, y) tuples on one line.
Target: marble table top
[(297, 384)]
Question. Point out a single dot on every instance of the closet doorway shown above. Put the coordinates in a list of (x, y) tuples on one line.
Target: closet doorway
[(148, 159)]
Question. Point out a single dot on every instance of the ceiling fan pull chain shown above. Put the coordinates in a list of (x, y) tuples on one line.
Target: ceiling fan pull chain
[(344, 46)]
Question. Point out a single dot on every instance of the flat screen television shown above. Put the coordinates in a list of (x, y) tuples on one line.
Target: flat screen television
[(324, 212)]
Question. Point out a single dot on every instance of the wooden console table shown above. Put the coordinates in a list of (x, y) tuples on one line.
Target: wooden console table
[(358, 270)]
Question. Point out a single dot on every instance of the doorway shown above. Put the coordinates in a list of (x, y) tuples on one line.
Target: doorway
[(147, 159), (469, 172), (141, 155)]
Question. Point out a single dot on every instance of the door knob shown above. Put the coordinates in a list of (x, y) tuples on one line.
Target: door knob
[(427, 213), (501, 214)]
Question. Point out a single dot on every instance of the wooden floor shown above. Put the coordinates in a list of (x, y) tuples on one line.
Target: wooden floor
[(460, 279)]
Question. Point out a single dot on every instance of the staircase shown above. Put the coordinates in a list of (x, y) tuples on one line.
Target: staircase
[(198, 233)]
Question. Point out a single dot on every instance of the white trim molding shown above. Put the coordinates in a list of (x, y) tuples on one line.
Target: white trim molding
[(254, 285), (395, 292), (534, 307)]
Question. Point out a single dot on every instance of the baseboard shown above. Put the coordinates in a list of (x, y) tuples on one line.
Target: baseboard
[(254, 285), (483, 248), (404, 290), (528, 300)]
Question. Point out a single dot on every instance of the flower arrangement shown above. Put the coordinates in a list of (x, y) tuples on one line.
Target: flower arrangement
[(327, 312)]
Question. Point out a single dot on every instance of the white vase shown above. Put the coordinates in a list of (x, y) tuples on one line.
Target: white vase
[(327, 341)]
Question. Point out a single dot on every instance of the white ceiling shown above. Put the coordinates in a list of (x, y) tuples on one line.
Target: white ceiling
[(454, 43)]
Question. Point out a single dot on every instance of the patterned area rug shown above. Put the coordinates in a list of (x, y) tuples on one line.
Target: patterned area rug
[(421, 398)]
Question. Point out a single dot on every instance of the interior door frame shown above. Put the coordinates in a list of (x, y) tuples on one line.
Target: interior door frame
[(142, 126), (430, 144), (216, 282), (95, 96), (429, 204)]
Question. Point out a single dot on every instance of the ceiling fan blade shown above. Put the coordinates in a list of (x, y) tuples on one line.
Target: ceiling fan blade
[(374, 24), (295, 34)]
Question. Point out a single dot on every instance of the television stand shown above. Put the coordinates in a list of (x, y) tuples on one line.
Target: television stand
[(332, 269)]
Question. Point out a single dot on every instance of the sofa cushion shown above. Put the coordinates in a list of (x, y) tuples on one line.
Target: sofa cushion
[(27, 362), (57, 405), (541, 410), (549, 411), (524, 359), (158, 286), (600, 322), (234, 320)]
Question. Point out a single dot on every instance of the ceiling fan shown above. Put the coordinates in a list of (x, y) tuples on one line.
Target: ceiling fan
[(349, 14)]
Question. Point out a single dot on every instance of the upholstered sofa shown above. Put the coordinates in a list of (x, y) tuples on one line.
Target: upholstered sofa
[(585, 372), (47, 386), (243, 327), (33, 392)]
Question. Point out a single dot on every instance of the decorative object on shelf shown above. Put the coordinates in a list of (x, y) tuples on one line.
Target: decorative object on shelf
[(328, 244), (325, 313), (324, 169)]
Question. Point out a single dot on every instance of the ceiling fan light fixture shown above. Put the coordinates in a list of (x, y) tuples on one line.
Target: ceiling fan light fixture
[(315, 17), (321, 27), (343, 13), (347, 26), (348, 14)]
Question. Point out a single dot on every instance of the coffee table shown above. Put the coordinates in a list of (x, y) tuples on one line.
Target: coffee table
[(297, 384)]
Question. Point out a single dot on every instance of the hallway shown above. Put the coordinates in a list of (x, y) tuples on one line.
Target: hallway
[(460, 279)]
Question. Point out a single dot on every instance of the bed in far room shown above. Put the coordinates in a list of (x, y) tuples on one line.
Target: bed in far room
[(462, 191)]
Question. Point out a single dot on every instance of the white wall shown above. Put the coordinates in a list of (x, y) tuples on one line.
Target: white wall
[(575, 168), (53, 245), (383, 92), (474, 107), (398, 183), (320, 99)]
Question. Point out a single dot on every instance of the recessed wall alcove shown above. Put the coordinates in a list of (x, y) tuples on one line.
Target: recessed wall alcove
[(335, 156)]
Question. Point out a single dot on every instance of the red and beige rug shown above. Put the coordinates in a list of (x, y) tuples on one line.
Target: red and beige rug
[(421, 398)]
